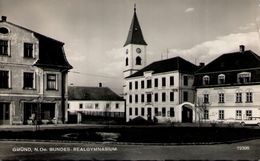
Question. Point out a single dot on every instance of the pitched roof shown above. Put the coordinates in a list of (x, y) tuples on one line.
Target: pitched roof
[(172, 64), (92, 93), (51, 52), (232, 61), (135, 35)]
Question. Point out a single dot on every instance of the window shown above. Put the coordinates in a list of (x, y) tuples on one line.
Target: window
[(206, 80), (4, 79), (185, 96), (142, 111), (108, 105), (130, 85), (172, 113), (136, 98), (185, 80), (221, 114), (142, 98), (171, 96), (221, 98), (156, 82), (244, 77), (68, 105), (136, 111), (142, 84), (96, 106), (163, 82), (136, 84), (206, 98), (156, 97), (221, 79), (163, 97), (249, 97), (126, 51), (149, 97), (138, 60), (149, 83), (163, 112), (238, 114), (51, 81), (130, 111), (126, 62), (4, 30), (80, 106), (206, 114), (130, 98), (28, 80), (3, 47), (156, 113), (171, 81), (117, 105), (28, 50), (238, 97), (249, 114)]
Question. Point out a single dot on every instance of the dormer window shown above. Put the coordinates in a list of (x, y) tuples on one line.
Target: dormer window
[(221, 79), (206, 80), (244, 77)]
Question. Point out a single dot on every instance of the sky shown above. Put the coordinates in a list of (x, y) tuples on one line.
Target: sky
[(94, 31)]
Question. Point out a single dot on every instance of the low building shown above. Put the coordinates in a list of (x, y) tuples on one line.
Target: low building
[(228, 88), (33, 76), (94, 102)]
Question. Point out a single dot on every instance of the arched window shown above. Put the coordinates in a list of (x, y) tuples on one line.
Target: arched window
[(138, 61), (206, 80), (221, 79), (126, 62), (3, 30)]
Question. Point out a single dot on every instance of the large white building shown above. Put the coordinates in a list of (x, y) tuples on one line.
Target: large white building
[(162, 91), (228, 88)]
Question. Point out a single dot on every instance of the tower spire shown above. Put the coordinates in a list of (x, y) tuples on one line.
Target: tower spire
[(135, 35)]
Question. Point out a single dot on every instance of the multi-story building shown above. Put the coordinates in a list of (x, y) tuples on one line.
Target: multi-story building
[(229, 87), (94, 102), (33, 76), (161, 91)]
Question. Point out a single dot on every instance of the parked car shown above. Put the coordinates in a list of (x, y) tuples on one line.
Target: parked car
[(251, 121)]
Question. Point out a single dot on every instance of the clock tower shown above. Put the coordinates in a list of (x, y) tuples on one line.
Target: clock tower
[(134, 48)]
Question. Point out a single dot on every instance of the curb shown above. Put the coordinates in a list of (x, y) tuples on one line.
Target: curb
[(128, 143)]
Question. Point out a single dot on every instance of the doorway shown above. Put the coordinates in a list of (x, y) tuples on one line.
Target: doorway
[(186, 114), (4, 113)]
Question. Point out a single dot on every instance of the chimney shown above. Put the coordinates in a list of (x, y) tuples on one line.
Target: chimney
[(100, 84), (201, 64), (241, 48), (4, 18)]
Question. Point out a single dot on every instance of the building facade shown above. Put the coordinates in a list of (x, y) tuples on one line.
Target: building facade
[(228, 88), (162, 91), (33, 76), (94, 102)]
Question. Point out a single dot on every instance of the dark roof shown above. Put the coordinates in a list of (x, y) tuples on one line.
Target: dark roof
[(232, 61), (92, 93), (135, 35), (172, 64), (51, 52)]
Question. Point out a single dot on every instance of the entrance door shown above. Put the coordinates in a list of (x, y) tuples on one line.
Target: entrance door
[(149, 114), (186, 114), (4, 113)]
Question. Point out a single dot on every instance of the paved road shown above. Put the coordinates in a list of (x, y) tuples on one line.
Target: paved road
[(249, 150)]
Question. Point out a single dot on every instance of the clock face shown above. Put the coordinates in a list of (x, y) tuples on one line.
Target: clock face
[(138, 50)]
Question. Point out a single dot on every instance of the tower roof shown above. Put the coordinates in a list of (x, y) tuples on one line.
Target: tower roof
[(135, 35)]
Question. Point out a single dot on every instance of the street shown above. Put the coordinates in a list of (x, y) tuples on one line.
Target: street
[(77, 151)]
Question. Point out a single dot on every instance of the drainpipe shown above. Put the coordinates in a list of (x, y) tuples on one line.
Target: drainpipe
[(63, 99)]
